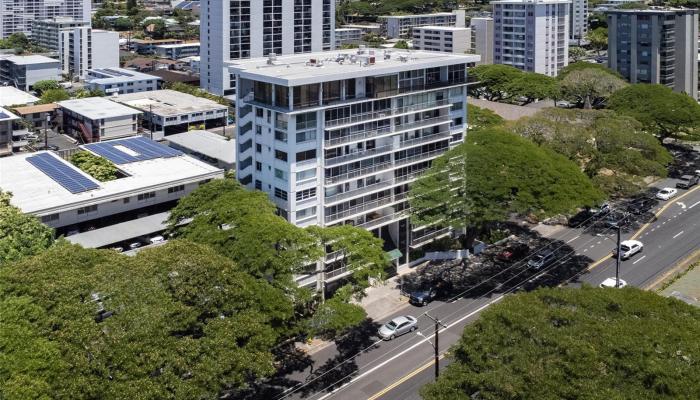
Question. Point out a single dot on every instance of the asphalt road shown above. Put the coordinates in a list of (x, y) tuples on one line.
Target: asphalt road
[(398, 368)]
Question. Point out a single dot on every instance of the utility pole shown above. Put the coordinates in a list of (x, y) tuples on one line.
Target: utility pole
[(436, 347), (617, 259)]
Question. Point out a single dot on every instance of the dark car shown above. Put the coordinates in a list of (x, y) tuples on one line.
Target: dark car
[(513, 252), (422, 297), (617, 219), (687, 181), (641, 206)]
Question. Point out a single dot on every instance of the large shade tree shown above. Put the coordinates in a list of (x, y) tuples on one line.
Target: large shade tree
[(21, 235), (662, 111), (576, 344), (589, 85)]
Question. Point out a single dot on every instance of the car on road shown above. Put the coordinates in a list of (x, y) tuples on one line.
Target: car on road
[(134, 245), (666, 193), (628, 248), (157, 239), (422, 297), (541, 260), (641, 206), (612, 283), (514, 252), (31, 137), (398, 326), (617, 219), (687, 181)]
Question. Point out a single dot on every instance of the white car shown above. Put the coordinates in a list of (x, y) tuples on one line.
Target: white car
[(628, 248), (157, 239), (610, 283), (397, 327), (666, 193)]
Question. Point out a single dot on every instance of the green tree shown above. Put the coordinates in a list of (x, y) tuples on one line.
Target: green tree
[(493, 81), (54, 95), (401, 44), (175, 322), (122, 24), (478, 117), (194, 91), (131, 7), (493, 174), (584, 65), (611, 149), (21, 235), (598, 39), (98, 167), (41, 86), (577, 53), (575, 344), (589, 87), (662, 111), (532, 86)]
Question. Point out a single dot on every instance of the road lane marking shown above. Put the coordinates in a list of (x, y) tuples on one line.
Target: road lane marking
[(662, 209), (572, 239), (383, 363), (404, 379), (677, 234), (639, 259), (681, 204), (694, 205)]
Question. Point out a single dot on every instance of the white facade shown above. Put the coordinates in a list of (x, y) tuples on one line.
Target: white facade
[(336, 137), (23, 71), (347, 36), (400, 26), (177, 51), (19, 15), (94, 119), (482, 38), (232, 29), (532, 35), (120, 80), (578, 19), (442, 38), (105, 49)]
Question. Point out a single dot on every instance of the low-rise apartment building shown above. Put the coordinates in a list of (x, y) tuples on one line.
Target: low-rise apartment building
[(400, 26), (135, 204), (121, 81), (347, 36), (336, 137), (446, 39), (12, 134), (148, 46), (23, 71), (177, 51), (94, 119)]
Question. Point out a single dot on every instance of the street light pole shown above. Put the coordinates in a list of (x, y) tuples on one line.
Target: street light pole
[(436, 347), (617, 261)]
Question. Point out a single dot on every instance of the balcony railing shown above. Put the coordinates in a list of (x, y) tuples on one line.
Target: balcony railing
[(370, 205), (417, 241), (383, 220), (336, 273), (366, 134), (385, 113), (384, 184)]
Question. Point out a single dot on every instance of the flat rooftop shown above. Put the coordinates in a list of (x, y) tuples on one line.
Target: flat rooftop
[(167, 102), (36, 193), (440, 14), (654, 10), (10, 96), (97, 108), (296, 69), (177, 45), (6, 115), (29, 60), (116, 75), (347, 29), (442, 28), (207, 143), (26, 110)]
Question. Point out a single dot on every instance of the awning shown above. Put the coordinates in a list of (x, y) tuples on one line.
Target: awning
[(120, 232), (393, 254)]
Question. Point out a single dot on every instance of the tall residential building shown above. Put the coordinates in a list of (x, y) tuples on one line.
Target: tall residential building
[(532, 35), (336, 137), (77, 45), (655, 46), (481, 29), (19, 15), (448, 39), (232, 29), (400, 26), (578, 20)]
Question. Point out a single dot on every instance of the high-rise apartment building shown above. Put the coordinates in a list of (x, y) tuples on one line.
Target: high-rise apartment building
[(233, 29), (449, 39), (337, 137), (578, 20), (655, 46), (481, 29), (19, 15), (532, 35)]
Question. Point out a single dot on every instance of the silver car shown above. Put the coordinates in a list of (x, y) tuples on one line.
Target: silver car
[(397, 327)]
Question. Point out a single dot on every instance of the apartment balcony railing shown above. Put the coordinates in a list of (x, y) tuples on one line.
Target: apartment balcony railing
[(245, 110), (247, 128), (370, 205), (243, 147), (417, 241), (386, 148), (385, 113), (362, 135), (384, 184), (337, 273), (245, 163), (371, 224)]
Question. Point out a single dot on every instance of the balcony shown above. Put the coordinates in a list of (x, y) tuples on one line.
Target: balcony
[(245, 146), (383, 220), (245, 129), (244, 111), (337, 273), (359, 136), (386, 113), (370, 205), (381, 185), (421, 240)]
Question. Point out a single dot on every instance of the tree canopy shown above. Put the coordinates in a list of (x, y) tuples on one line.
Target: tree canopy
[(589, 87), (598, 39), (54, 95), (586, 343), (612, 149), (499, 82), (47, 84), (661, 111), (173, 322), (478, 117), (496, 173), (98, 167), (21, 235)]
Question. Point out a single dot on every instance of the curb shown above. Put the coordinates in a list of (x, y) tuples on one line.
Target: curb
[(676, 271)]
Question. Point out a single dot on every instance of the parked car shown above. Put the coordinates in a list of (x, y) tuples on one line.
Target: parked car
[(397, 327), (134, 245), (541, 260), (666, 193), (617, 219), (157, 239), (641, 206), (31, 137), (612, 283), (513, 252), (687, 181), (628, 248), (422, 297)]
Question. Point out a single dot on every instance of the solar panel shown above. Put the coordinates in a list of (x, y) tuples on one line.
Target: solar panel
[(63, 174), (145, 149)]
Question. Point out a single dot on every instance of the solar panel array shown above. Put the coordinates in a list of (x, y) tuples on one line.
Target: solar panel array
[(63, 174), (146, 150), (116, 73)]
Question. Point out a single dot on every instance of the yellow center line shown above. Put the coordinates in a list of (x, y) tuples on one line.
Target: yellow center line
[(591, 267)]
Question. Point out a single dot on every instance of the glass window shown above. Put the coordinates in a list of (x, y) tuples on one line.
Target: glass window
[(279, 174), (350, 87), (281, 155), (280, 194), (306, 136), (331, 91), (306, 121), (306, 155), (263, 92), (306, 95), (306, 174), (282, 96), (306, 213), (306, 194)]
